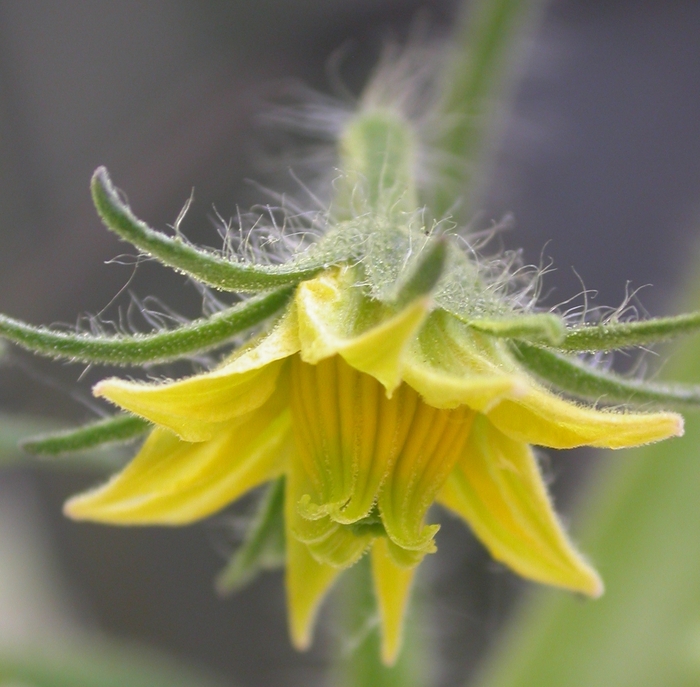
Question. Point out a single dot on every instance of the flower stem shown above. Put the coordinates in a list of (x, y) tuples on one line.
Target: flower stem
[(359, 661), (486, 55)]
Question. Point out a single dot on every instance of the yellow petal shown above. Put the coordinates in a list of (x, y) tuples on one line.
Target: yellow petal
[(392, 586), (307, 582), (431, 447), (497, 488), (194, 408), (335, 317), (173, 482), (449, 365), (541, 417)]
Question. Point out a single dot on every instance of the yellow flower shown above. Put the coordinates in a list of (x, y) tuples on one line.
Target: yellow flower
[(373, 413)]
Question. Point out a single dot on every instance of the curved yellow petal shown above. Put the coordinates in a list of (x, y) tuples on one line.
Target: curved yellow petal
[(449, 365), (430, 448), (497, 488), (173, 482), (543, 418), (307, 582), (335, 317), (194, 408), (392, 587)]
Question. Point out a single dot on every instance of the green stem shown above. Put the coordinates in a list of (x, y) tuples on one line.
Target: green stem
[(359, 663), (487, 52), (378, 160)]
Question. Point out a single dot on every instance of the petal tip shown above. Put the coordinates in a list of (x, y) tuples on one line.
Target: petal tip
[(100, 390), (679, 426), (300, 635), (598, 588), (390, 653), (72, 509), (592, 585)]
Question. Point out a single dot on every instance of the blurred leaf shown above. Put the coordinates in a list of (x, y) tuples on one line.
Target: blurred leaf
[(263, 548), (643, 534), (97, 665)]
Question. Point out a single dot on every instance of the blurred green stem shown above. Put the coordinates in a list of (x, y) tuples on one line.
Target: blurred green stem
[(359, 663), (486, 56)]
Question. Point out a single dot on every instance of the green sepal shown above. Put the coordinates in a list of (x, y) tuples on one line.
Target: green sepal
[(423, 273), (264, 544), (612, 336), (204, 266), (138, 349), (578, 379), (546, 328), (113, 430)]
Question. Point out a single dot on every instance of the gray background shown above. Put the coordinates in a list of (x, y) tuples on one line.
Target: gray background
[(600, 165)]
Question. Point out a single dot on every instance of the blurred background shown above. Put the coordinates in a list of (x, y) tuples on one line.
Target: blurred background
[(599, 164)]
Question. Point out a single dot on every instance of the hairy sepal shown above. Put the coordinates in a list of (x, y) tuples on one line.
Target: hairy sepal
[(158, 347), (583, 381), (611, 336), (112, 430), (205, 266)]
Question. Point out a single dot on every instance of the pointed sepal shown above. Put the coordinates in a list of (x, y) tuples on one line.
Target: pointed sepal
[(112, 430), (546, 328), (205, 266), (138, 349), (573, 376), (611, 336)]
